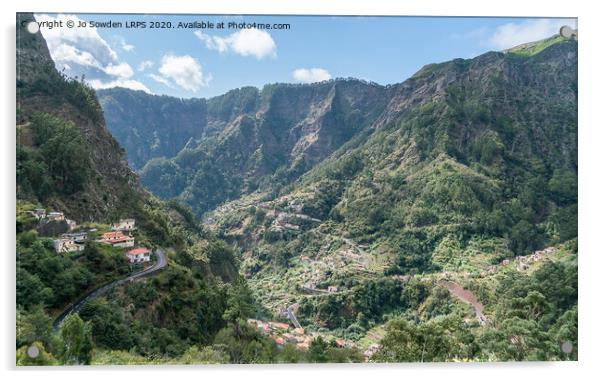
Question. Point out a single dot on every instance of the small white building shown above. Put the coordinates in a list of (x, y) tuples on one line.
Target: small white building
[(38, 213), (138, 255), (55, 216), (67, 245), (72, 224), (124, 224), (76, 237)]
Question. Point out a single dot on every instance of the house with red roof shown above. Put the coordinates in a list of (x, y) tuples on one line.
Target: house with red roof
[(117, 239), (138, 255)]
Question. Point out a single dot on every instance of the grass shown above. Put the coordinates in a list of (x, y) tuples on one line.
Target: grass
[(533, 48)]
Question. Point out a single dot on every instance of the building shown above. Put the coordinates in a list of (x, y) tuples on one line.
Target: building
[(38, 213), (279, 325), (55, 216), (299, 331), (117, 239), (139, 255), (75, 237), (371, 350), (67, 245), (125, 224), (72, 224), (333, 289)]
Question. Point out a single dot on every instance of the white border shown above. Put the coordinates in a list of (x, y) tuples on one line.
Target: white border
[(590, 209)]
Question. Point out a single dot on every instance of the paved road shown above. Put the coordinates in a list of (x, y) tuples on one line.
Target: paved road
[(76, 307)]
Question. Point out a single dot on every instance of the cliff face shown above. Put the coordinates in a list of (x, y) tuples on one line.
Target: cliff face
[(242, 139), (102, 178), (518, 104)]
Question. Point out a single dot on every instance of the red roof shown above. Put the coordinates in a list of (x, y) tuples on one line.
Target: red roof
[(139, 250), (112, 235)]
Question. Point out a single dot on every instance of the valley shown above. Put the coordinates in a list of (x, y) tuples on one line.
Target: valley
[(337, 221)]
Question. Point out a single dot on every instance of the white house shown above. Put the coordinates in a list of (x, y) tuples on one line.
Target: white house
[(67, 245), (139, 255), (72, 224), (124, 224), (76, 237), (55, 216), (40, 213)]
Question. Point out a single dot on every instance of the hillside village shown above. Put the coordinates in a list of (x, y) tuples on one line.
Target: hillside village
[(69, 237), (283, 333)]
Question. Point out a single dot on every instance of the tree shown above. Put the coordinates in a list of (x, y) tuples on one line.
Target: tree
[(34, 325), (42, 359), (317, 350), (245, 344), (290, 354), (77, 341), (239, 303)]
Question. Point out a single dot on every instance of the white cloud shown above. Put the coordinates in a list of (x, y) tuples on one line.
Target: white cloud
[(63, 54), (311, 75), (122, 70), (82, 51), (125, 83), (246, 42), (82, 46), (160, 79), (185, 71), (144, 65), (126, 46), (513, 34)]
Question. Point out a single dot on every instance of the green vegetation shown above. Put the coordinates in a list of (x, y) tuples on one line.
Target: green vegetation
[(57, 162), (533, 317), (532, 48), (352, 204)]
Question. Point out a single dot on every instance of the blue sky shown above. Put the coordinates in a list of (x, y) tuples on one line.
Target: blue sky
[(208, 62)]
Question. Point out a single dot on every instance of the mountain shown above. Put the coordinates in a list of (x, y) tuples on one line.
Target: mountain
[(241, 140), (66, 157), (465, 164), (431, 220), (486, 113), (68, 161), (151, 126)]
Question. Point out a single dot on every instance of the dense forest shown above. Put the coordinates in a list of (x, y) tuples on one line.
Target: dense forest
[(341, 221)]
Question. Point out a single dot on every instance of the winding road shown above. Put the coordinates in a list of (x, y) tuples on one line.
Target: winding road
[(76, 307)]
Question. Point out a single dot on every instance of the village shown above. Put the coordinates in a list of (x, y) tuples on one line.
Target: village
[(283, 333), (69, 237)]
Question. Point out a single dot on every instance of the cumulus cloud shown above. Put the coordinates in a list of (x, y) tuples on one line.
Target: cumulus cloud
[(82, 51), (126, 46), (513, 34), (144, 65), (311, 75), (125, 83), (68, 56), (246, 42), (122, 70), (184, 71), (79, 46)]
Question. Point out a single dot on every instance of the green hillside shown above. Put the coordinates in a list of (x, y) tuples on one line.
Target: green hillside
[(430, 220)]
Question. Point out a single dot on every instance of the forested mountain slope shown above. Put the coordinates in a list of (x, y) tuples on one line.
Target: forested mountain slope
[(68, 162)]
